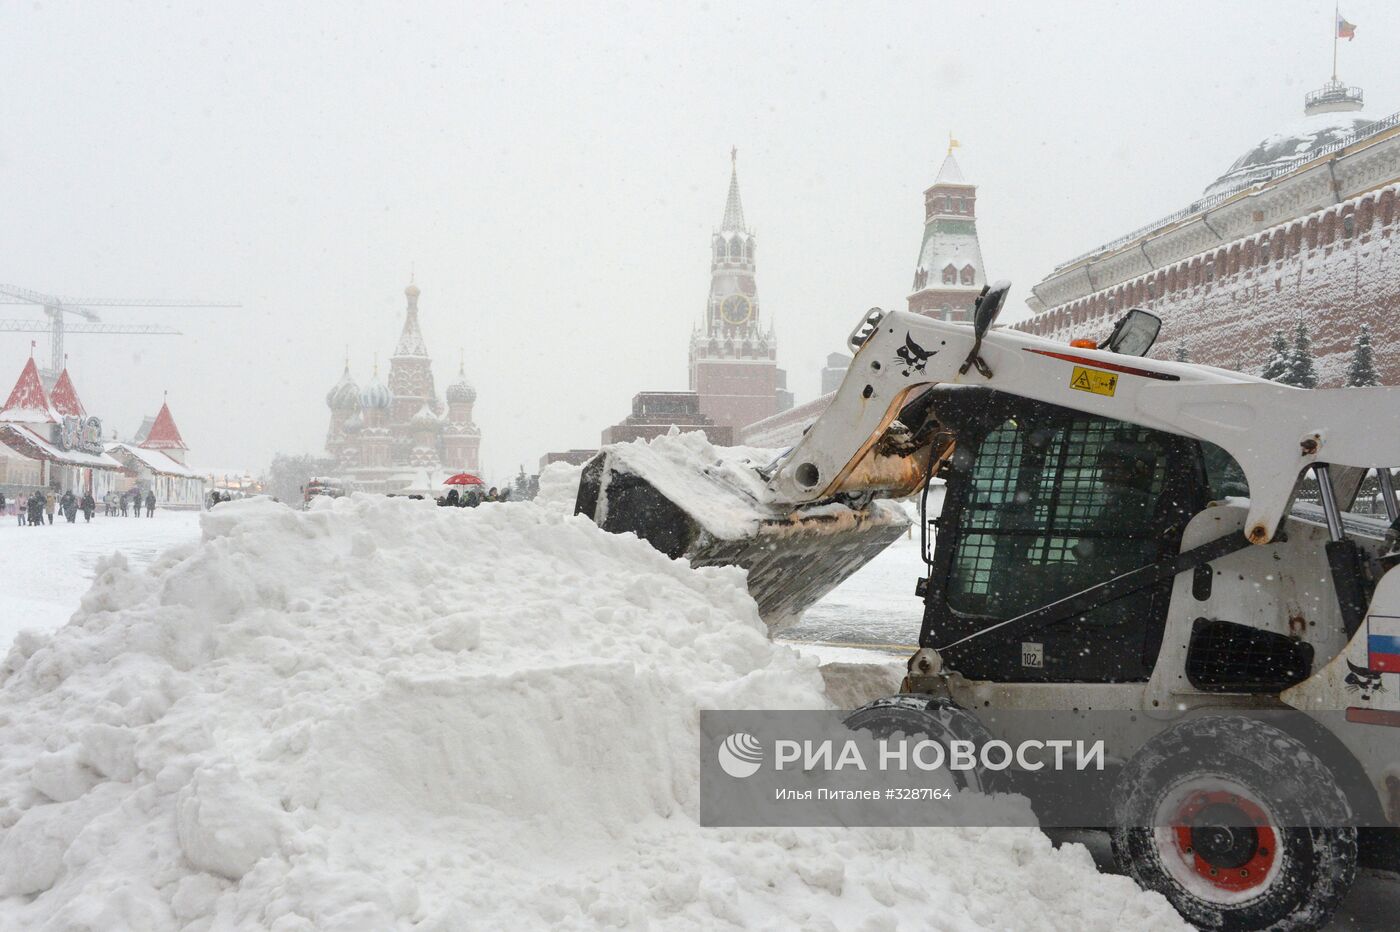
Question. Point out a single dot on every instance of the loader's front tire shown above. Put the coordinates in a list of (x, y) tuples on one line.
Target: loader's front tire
[(938, 719), (1239, 824)]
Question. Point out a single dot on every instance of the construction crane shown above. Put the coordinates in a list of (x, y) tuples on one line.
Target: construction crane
[(56, 307)]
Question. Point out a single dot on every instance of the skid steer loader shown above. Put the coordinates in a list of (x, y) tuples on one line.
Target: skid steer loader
[(1120, 533)]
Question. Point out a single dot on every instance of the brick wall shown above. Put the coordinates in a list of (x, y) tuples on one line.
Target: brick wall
[(1335, 269)]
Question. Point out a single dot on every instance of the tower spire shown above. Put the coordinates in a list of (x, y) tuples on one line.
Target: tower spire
[(948, 274), (411, 338), (733, 207)]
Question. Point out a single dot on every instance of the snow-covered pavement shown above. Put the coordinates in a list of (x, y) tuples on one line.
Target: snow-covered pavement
[(44, 571)]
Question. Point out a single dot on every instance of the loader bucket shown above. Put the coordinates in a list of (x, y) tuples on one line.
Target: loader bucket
[(716, 515)]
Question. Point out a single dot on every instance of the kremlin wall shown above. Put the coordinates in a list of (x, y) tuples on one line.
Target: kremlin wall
[(1300, 228)]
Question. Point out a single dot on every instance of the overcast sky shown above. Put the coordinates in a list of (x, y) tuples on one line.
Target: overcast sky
[(553, 171)]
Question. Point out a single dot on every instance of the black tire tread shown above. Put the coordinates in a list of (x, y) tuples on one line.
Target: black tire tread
[(1298, 786)]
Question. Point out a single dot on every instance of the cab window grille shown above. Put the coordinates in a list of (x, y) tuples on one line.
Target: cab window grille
[(1053, 508)]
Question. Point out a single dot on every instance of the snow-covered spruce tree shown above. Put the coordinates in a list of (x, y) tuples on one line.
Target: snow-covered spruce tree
[(1277, 366), (1302, 369), (525, 487), (1363, 364), (289, 473)]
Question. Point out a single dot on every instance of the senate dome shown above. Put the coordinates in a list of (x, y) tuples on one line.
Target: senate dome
[(1332, 114)]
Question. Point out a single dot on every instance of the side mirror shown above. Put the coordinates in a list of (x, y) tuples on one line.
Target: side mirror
[(989, 305), (1134, 333), (984, 314)]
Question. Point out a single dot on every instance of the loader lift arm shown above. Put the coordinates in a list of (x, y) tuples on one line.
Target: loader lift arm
[(817, 513), (1274, 431)]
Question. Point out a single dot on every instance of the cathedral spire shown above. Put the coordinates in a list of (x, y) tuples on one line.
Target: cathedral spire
[(411, 338), (733, 207)]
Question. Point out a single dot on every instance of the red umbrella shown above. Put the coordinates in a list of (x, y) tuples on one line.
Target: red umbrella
[(462, 478)]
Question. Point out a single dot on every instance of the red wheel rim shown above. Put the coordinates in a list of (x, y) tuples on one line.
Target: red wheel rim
[(1253, 844)]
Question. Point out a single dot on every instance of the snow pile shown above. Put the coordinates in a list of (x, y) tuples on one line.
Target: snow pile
[(559, 487), (717, 486), (720, 487), (380, 714)]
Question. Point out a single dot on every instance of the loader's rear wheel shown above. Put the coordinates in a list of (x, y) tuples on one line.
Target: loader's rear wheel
[(941, 720), (1239, 824)]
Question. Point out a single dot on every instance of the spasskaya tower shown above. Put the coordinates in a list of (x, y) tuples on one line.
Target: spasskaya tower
[(733, 354)]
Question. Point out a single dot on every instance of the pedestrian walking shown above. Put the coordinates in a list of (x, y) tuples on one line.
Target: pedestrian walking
[(68, 504), (36, 508), (150, 503), (50, 504), (89, 506)]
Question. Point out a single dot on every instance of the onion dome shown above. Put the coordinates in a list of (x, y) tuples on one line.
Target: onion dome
[(461, 390), (354, 424), (425, 419), (345, 394), (375, 394)]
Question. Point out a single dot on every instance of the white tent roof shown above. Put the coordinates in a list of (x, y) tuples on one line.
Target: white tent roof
[(154, 460), (23, 435)]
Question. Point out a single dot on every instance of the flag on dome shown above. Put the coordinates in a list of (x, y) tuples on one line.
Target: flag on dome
[(1345, 30)]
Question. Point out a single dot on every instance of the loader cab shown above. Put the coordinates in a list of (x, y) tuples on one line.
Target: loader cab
[(1043, 502)]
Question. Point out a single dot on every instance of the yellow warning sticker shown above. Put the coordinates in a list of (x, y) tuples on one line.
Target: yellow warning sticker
[(1093, 380)]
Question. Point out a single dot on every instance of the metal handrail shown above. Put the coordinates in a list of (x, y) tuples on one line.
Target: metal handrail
[(1333, 91)]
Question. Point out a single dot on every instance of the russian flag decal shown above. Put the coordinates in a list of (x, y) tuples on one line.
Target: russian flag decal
[(1383, 643)]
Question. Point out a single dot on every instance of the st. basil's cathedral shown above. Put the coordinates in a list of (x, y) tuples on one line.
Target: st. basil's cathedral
[(387, 437)]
